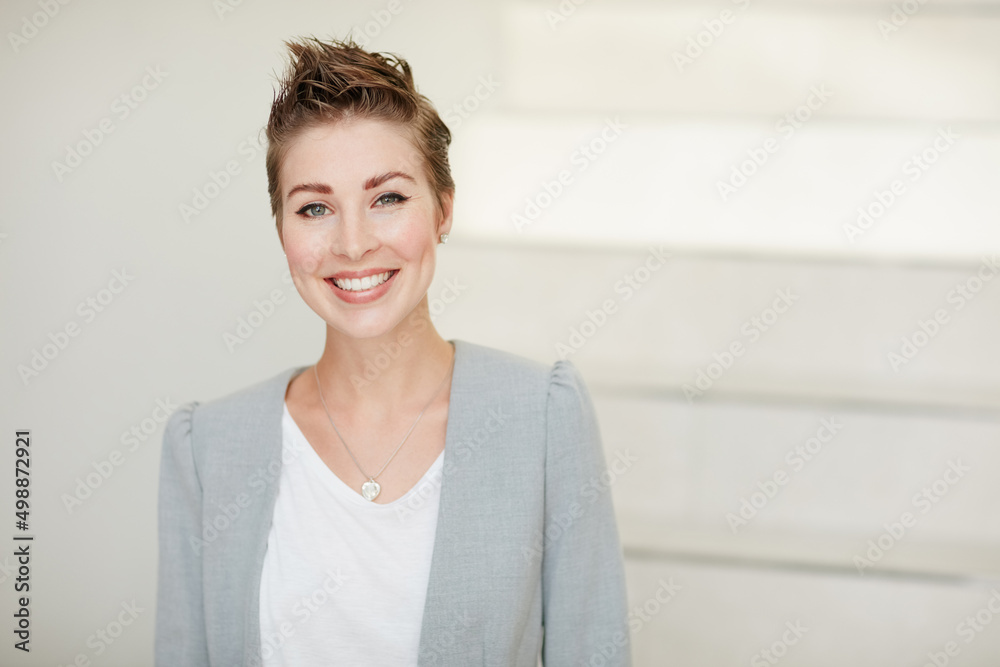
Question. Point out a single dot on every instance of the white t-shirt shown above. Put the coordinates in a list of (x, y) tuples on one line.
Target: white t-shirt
[(344, 579)]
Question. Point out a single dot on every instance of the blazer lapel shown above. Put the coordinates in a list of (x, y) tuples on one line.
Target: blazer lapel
[(455, 599), (263, 452)]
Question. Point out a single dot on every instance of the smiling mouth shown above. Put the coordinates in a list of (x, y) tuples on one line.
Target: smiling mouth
[(362, 284)]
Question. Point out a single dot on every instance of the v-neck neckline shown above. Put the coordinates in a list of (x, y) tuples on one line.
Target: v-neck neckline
[(457, 369), (318, 466)]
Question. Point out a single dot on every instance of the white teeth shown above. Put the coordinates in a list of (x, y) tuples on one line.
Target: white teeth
[(360, 284)]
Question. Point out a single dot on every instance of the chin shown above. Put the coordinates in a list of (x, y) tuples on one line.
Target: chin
[(363, 325)]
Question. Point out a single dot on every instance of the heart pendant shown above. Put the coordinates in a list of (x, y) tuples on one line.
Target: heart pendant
[(370, 489)]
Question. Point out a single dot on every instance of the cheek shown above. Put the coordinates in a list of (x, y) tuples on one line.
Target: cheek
[(303, 256), (413, 242)]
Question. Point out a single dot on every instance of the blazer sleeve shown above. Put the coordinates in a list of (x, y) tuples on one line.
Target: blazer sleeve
[(180, 638), (584, 598)]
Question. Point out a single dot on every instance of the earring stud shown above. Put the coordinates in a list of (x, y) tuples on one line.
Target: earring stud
[(444, 238)]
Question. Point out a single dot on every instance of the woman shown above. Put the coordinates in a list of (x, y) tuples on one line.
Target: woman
[(406, 500)]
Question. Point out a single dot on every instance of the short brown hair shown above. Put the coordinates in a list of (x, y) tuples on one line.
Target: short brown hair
[(334, 80)]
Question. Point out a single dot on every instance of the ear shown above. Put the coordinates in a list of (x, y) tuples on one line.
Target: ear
[(447, 207)]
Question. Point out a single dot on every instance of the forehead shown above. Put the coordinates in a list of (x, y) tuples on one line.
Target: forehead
[(350, 152)]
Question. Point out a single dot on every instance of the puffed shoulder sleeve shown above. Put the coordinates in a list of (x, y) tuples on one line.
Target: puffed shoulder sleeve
[(180, 622), (585, 606)]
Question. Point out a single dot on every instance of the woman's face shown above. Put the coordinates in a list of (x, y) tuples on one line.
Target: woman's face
[(357, 205)]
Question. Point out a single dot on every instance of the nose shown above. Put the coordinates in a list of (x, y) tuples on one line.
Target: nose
[(352, 236)]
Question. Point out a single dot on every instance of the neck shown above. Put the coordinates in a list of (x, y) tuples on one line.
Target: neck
[(398, 370)]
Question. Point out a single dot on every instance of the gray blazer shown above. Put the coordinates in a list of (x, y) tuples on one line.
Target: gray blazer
[(526, 547)]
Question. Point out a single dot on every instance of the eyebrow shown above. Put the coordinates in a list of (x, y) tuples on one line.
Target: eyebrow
[(376, 181), (373, 182), (321, 188)]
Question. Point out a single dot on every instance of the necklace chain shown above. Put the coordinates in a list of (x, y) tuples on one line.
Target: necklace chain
[(371, 478)]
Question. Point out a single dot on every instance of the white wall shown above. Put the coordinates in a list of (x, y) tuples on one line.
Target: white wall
[(675, 132)]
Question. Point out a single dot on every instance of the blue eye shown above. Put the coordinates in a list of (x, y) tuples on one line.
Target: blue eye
[(390, 198), (313, 210)]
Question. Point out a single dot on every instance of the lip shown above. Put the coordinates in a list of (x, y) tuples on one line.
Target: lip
[(368, 295)]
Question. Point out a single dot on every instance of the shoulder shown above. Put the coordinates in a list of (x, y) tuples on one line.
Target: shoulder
[(247, 401), (558, 384), (248, 398), (239, 410), (500, 365)]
